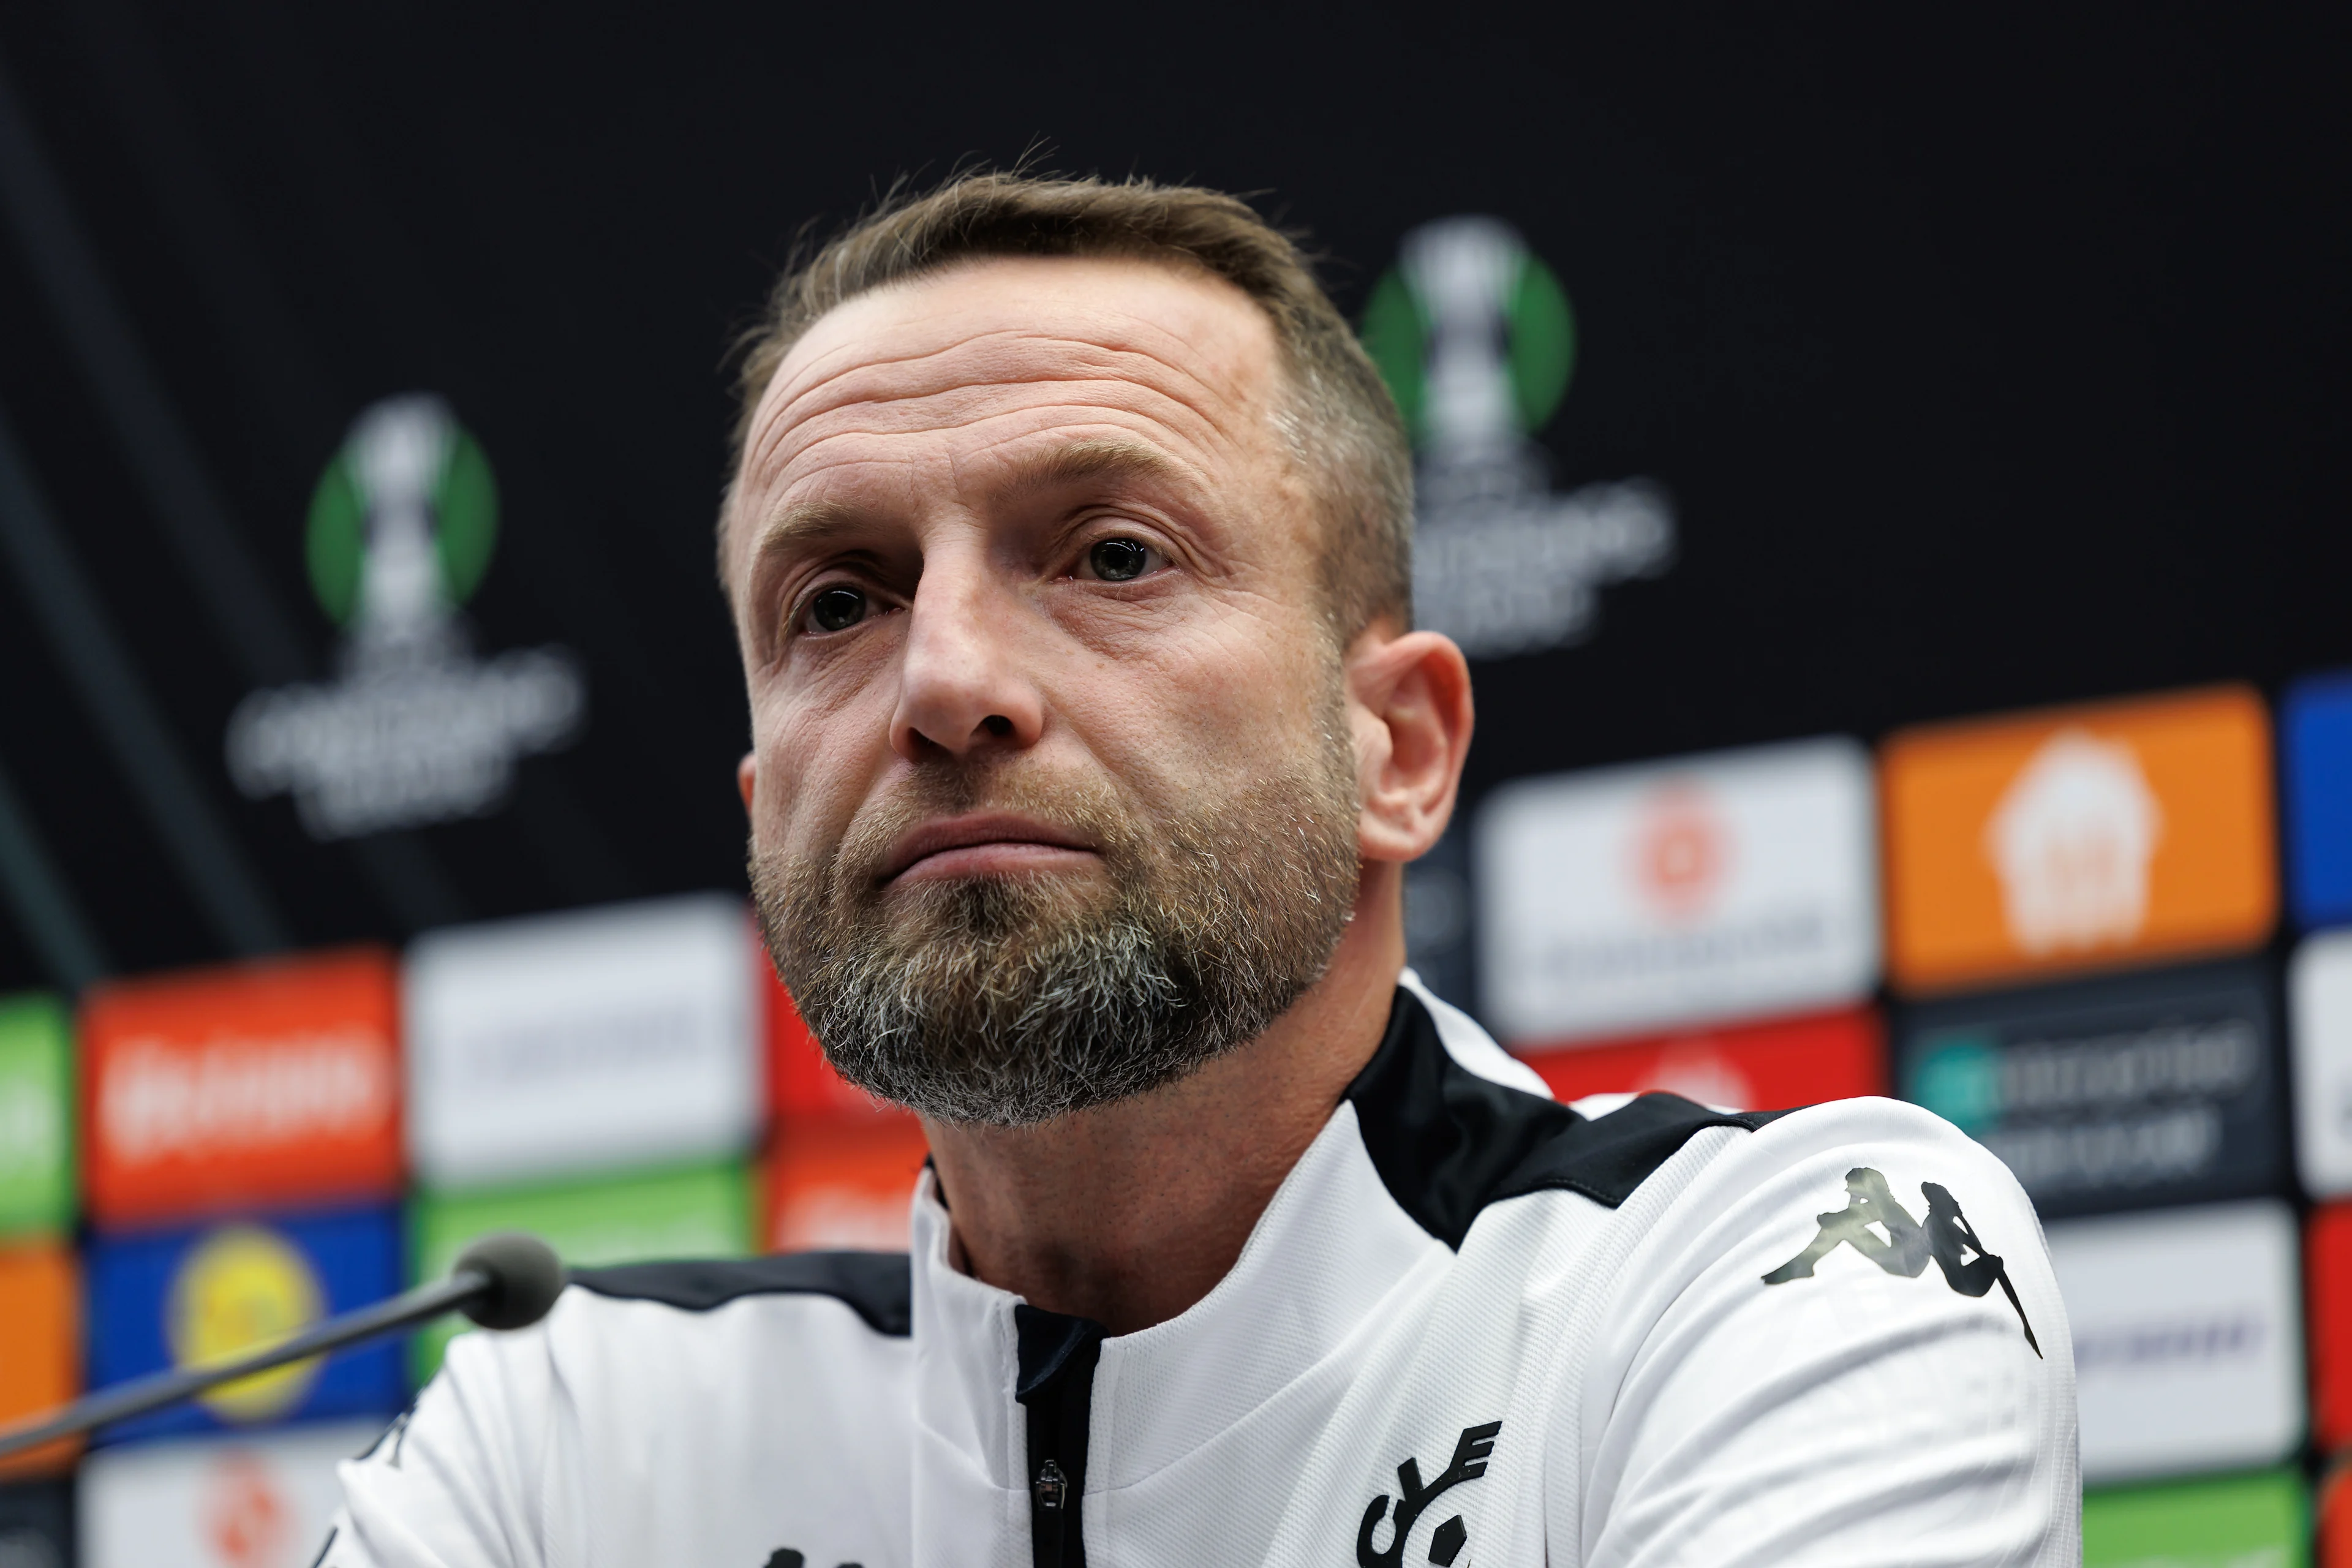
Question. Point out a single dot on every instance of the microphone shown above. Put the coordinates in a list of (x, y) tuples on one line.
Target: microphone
[(508, 1280)]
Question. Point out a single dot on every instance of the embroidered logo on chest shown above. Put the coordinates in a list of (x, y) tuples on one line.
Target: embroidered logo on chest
[(1445, 1543)]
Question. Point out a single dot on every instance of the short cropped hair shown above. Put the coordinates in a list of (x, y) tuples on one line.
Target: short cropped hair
[(1340, 422)]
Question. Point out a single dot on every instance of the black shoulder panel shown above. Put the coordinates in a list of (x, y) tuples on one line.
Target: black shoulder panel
[(1448, 1143), (879, 1287)]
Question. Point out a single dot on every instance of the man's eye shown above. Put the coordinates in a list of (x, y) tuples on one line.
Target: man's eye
[(1121, 560), (837, 609)]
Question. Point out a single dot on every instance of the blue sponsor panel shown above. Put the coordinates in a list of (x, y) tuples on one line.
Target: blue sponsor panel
[(2114, 1094), (199, 1294), (2315, 734)]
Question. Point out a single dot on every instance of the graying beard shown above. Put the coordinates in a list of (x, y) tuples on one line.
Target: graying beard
[(966, 1031), (997, 1007)]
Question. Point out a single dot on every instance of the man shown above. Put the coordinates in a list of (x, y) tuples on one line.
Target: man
[(1068, 554)]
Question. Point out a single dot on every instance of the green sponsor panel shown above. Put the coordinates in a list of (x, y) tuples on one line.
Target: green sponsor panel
[(697, 1211), (36, 1116), (2237, 1521)]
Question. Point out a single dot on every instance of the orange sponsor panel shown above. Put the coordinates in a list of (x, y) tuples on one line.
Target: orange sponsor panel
[(836, 1184), (275, 1083), (2078, 837), (1769, 1065), (40, 1346)]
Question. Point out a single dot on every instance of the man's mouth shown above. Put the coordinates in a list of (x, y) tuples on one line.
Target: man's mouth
[(981, 844)]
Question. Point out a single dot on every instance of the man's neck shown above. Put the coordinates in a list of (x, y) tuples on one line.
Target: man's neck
[(1129, 1212)]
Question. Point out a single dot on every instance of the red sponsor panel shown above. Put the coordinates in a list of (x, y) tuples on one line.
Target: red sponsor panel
[(2329, 1277), (275, 1083), (833, 1182), (802, 1085), (1767, 1066)]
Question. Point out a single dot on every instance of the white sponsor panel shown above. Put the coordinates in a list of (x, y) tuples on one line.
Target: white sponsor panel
[(2319, 1008), (2188, 1337), (1676, 893), (592, 1040), (217, 1502)]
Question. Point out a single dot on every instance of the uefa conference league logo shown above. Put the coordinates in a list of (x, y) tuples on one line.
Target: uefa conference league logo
[(415, 729), (1476, 340)]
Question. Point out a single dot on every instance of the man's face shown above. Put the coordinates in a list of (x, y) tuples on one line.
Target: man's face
[(1051, 792)]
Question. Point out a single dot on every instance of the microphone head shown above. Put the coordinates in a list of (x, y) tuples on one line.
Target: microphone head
[(525, 1275)]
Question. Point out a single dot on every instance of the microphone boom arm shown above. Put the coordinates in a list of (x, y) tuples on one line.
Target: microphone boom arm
[(486, 1284)]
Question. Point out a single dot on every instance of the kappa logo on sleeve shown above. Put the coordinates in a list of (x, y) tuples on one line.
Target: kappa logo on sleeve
[(1907, 1245), (1445, 1543)]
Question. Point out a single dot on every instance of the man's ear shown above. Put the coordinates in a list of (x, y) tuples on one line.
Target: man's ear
[(1409, 698), (747, 779)]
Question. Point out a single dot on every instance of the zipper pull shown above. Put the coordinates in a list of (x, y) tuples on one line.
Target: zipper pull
[(1052, 1490)]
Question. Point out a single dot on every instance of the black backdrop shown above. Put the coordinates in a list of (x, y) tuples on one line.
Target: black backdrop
[(1991, 361)]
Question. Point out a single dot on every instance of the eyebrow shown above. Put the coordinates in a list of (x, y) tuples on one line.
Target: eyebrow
[(1094, 457), (798, 525), (804, 524)]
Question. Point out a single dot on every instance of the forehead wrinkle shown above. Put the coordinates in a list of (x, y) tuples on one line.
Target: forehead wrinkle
[(942, 335), (1225, 378), (1159, 420), (955, 384), (1111, 325)]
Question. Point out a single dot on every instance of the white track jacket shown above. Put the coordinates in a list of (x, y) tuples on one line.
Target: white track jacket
[(1474, 1327)]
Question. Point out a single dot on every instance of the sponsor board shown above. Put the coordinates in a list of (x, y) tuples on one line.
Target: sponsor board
[(583, 1041), (205, 1294), (2111, 1094), (1767, 1066), (36, 1155), (259, 1500), (2188, 1337), (36, 1524), (2078, 838), (802, 1085), (832, 1184), (262, 1085), (40, 1345), (1670, 894), (699, 1211), (2327, 1260), (2315, 747), (2319, 1017), (2260, 1520)]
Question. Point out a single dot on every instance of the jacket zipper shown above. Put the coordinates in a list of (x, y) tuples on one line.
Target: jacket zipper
[(1055, 1387), (1050, 1520)]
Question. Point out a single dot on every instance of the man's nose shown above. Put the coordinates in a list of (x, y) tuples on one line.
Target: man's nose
[(963, 684)]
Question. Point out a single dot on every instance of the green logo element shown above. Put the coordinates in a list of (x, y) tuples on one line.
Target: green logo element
[(371, 474), (698, 1211), (36, 1122), (1470, 278), (1958, 1079)]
